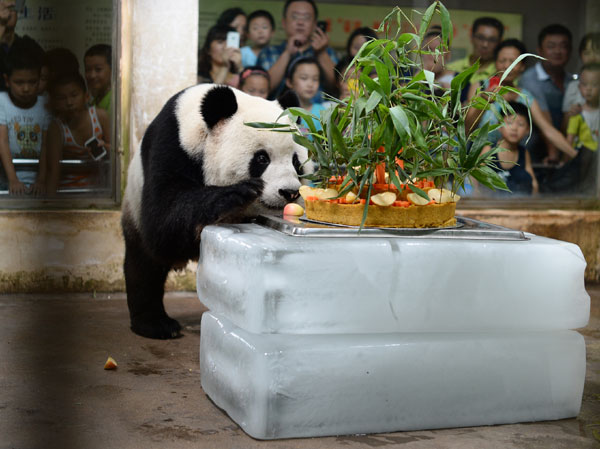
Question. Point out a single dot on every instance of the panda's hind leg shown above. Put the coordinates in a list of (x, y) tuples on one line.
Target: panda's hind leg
[(145, 282)]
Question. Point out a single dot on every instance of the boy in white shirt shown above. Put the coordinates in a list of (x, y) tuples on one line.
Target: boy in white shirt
[(23, 123)]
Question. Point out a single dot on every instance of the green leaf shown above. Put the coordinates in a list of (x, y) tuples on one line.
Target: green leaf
[(430, 77), (262, 125), (515, 62), (458, 83), (447, 30), (373, 101), (426, 21), (418, 191), (383, 75), (401, 122), (489, 178)]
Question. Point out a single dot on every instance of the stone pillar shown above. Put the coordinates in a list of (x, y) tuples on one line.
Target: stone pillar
[(161, 40)]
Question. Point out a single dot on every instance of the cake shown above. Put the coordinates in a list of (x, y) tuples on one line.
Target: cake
[(387, 206)]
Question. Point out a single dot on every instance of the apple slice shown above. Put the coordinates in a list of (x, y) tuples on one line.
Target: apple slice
[(110, 363), (416, 199), (351, 197), (443, 196), (306, 191), (384, 198), (293, 209), (326, 194)]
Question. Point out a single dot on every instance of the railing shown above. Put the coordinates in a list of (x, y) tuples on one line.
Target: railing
[(66, 163)]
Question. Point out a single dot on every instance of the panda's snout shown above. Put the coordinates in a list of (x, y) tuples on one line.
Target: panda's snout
[(290, 195)]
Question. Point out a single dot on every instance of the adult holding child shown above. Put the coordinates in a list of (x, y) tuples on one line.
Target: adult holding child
[(303, 39), (573, 101), (547, 81), (506, 53)]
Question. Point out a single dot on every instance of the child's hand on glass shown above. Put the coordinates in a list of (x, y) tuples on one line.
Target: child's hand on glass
[(39, 188), (16, 187)]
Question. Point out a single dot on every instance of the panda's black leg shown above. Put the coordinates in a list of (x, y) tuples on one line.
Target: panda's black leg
[(145, 281)]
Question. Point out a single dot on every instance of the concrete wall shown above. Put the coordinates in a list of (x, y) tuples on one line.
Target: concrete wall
[(52, 251)]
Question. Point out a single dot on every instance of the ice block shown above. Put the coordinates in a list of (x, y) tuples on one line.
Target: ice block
[(282, 386), (267, 282)]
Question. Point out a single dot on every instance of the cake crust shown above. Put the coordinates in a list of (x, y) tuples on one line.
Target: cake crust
[(428, 216)]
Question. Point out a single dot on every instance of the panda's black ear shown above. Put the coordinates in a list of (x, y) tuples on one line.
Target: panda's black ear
[(218, 104), (289, 100)]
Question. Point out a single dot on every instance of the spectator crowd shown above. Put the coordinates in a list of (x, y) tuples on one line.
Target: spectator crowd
[(560, 157), (54, 120), (55, 116)]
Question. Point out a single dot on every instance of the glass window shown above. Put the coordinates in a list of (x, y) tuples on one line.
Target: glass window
[(57, 106), (558, 164)]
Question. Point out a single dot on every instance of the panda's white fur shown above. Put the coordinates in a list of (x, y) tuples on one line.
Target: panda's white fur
[(182, 143), (226, 150)]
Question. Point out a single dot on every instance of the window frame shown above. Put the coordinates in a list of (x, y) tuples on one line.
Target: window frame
[(81, 200)]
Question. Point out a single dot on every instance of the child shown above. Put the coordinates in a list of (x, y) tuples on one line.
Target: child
[(583, 131), (303, 78), (589, 51), (97, 61), (513, 161), (255, 81), (261, 26), (75, 125), (23, 122)]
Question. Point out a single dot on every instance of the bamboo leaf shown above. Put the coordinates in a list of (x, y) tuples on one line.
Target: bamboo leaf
[(373, 101), (426, 21), (515, 62), (383, 75), (401, 122), (273, 126), (447, 30)]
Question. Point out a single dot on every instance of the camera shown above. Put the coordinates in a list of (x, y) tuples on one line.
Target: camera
[(98, 151)]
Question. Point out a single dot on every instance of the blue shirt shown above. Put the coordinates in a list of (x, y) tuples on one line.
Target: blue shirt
[(549, 96), (270, 54), (248, 56)]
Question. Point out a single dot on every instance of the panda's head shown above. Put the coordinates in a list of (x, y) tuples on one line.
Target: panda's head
[(212, 127)]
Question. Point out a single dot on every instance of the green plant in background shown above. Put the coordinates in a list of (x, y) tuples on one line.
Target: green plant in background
[(398, 113)]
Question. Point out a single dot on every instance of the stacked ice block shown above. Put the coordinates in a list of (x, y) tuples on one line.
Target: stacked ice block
[(322, 336)]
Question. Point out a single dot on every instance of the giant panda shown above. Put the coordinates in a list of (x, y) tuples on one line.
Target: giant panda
[(199, 164)]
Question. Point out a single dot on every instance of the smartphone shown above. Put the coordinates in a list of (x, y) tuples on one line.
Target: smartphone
[(233, 39), (98, 151), (323, 25)]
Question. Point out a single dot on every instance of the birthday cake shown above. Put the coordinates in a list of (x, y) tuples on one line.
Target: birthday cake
[(388, 207)]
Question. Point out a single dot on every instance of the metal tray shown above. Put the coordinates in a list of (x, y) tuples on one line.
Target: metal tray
[(466, 228)]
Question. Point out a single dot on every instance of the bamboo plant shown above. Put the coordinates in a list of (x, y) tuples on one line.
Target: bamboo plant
[(400, 118)]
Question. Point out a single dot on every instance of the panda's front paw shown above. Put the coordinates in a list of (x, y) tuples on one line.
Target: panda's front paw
[(246, 192), (161, 328)]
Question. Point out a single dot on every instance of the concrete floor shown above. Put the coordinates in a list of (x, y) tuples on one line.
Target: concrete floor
[(54, 392)]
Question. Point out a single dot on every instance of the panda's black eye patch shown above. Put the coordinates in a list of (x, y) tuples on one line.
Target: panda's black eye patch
[(259, 163), (297, 164)]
